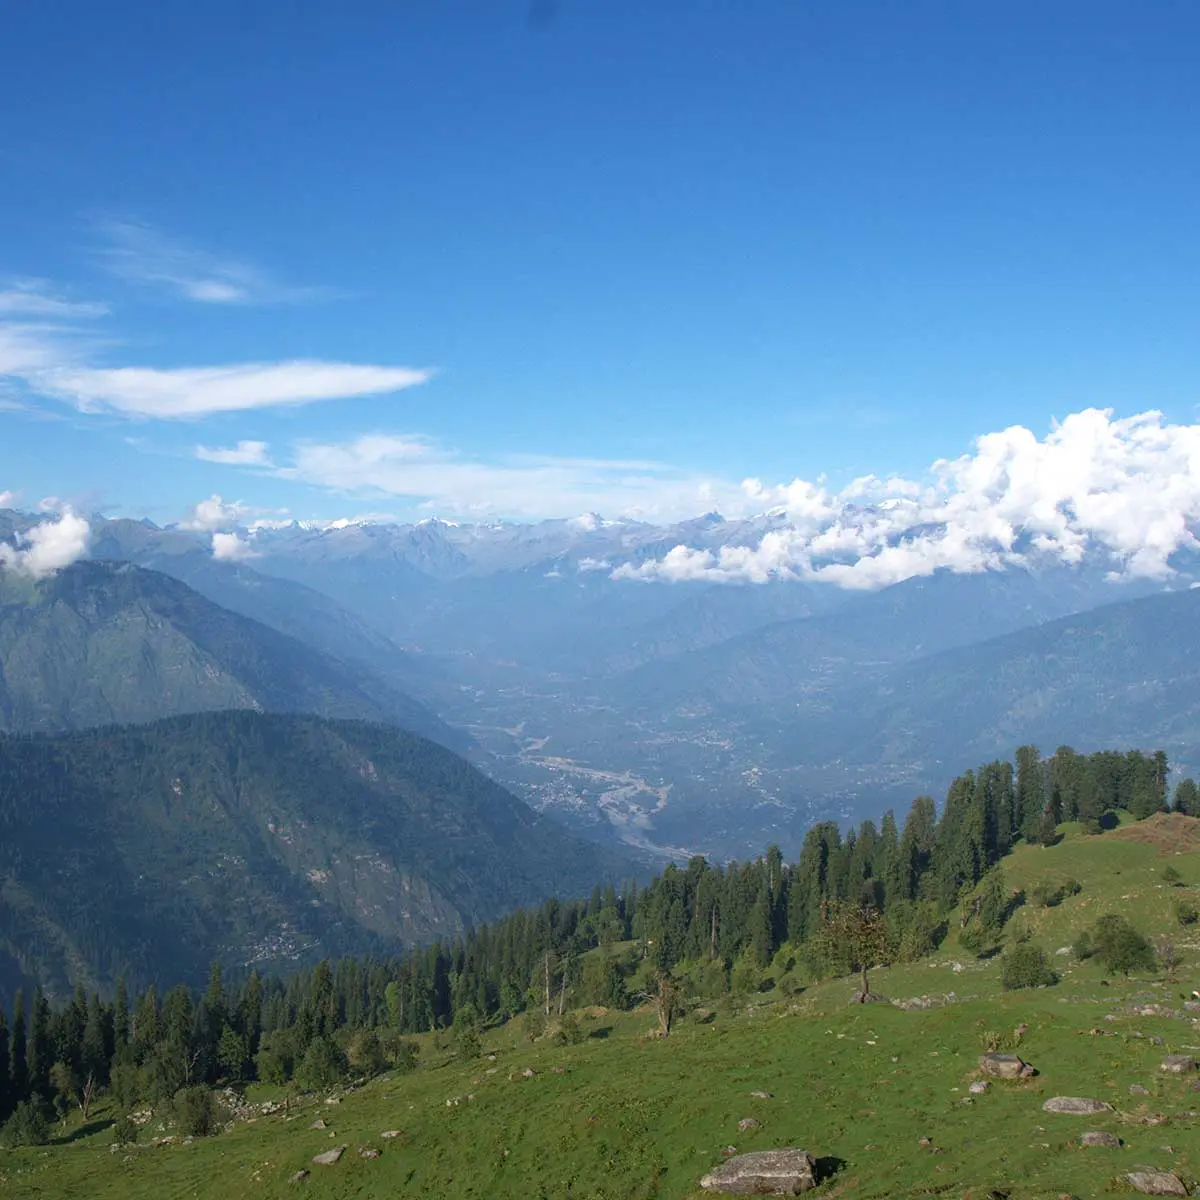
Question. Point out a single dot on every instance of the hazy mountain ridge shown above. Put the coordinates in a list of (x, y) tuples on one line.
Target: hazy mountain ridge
[(100, 643)]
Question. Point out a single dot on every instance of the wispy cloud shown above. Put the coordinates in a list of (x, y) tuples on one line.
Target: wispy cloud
[(36, 298), (57, 359), (244, 454), (419, 470), (142, 254)]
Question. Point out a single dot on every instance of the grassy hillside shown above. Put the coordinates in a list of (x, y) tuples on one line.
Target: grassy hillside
[(623, 1116), (251, 838)]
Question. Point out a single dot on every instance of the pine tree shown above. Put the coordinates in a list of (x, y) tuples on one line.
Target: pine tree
[(7, 1102), (121, 1014), (19, 1051), (1187, 798), (1029, 798)]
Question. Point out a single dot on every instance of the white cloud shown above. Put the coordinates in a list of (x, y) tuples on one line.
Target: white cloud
[(230, 547), (7, 499), (244, 454), (192, 392), (48, 547), (416, 469), (142, 254), (35, 298), (1128, 489), (214, 513)]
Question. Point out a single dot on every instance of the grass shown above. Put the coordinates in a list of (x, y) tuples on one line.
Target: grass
[(625, 1117)]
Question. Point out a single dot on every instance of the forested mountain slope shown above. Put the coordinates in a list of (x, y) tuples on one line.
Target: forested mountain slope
[(101, 643), (253, 838)]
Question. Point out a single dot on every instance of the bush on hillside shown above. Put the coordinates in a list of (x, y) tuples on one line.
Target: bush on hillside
[(1026, 967), (1049, 895), (26, 1127), (1120, 947), (197, 1111), (1171, 876), (322, 1066), (124, 1132), (1186, 912)]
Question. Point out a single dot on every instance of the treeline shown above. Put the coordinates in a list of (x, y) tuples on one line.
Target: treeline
[(708, 928)]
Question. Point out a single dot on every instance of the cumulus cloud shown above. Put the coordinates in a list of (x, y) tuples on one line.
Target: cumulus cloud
[(192, 392), (7, 499), (215, 513), (142, 254), (1127, 489), (231, 547), (47, 547), (244, 454)]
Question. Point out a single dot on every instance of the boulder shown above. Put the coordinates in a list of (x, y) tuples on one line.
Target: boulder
[(1075, 1105), (1136, 1089), (979, 1087), (763, 1095), (1004, 1066), (1178, 1064), (1108, 1140), (329, 1157), (746, 1124), (317, 1124), (299, 1177), (368, 1152), (764, 1173), (1157, 1183), (390, 1133)]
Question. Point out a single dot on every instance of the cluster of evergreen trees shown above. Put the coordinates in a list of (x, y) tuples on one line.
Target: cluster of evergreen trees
[(711, 928)]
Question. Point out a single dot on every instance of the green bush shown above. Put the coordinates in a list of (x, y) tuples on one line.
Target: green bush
[(1048, 895), (1171, 876), (1120, 947), (26, 1127), (124, 1132), (1084, 947), (1026, 967), (1186, 912), (322, 1066), (197, 1111)]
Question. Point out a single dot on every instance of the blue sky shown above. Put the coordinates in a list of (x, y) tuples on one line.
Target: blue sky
[(528, 259)]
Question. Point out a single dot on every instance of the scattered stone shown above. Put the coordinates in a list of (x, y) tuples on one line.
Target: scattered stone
[(368, 1152), (317, 1124), (764, 1173), (558, 1070), (1107, 1140), (528, 1073), (979, 1087), (1005, 1066), (1136, 1089), (390, 1133), (1157, 1183), (763, 1095), (1178, 1064), (1075, 1105), (299, 1177), (729, 1151), (329, 1157), (748, 1123), (925, 1142), (491, 1058)]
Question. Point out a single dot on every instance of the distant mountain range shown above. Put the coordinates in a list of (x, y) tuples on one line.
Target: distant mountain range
[(690, 715), (254, 839)]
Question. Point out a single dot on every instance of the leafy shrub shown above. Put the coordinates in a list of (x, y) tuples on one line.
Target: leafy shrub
[(1048, 895), (1084, 947), (1186, 912), (124, 1132), (1026, 967), (26, 1127), (197, 1111), (365, 1053), (322, 1066), (401, 1053), (1120, 947), (1171, 876)]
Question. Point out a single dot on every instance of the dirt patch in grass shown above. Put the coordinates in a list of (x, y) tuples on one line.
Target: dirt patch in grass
[(1166, 832)]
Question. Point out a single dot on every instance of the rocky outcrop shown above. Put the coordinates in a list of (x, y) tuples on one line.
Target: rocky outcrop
[(1108, 1140), (1005, 1066), (764, 1173), (329, 1157), (1178, 1064), (1075, 1106), (1157, 1183)]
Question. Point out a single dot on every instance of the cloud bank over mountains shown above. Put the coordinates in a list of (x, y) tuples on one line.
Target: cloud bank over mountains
[(1127, 489), (46, 547)]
